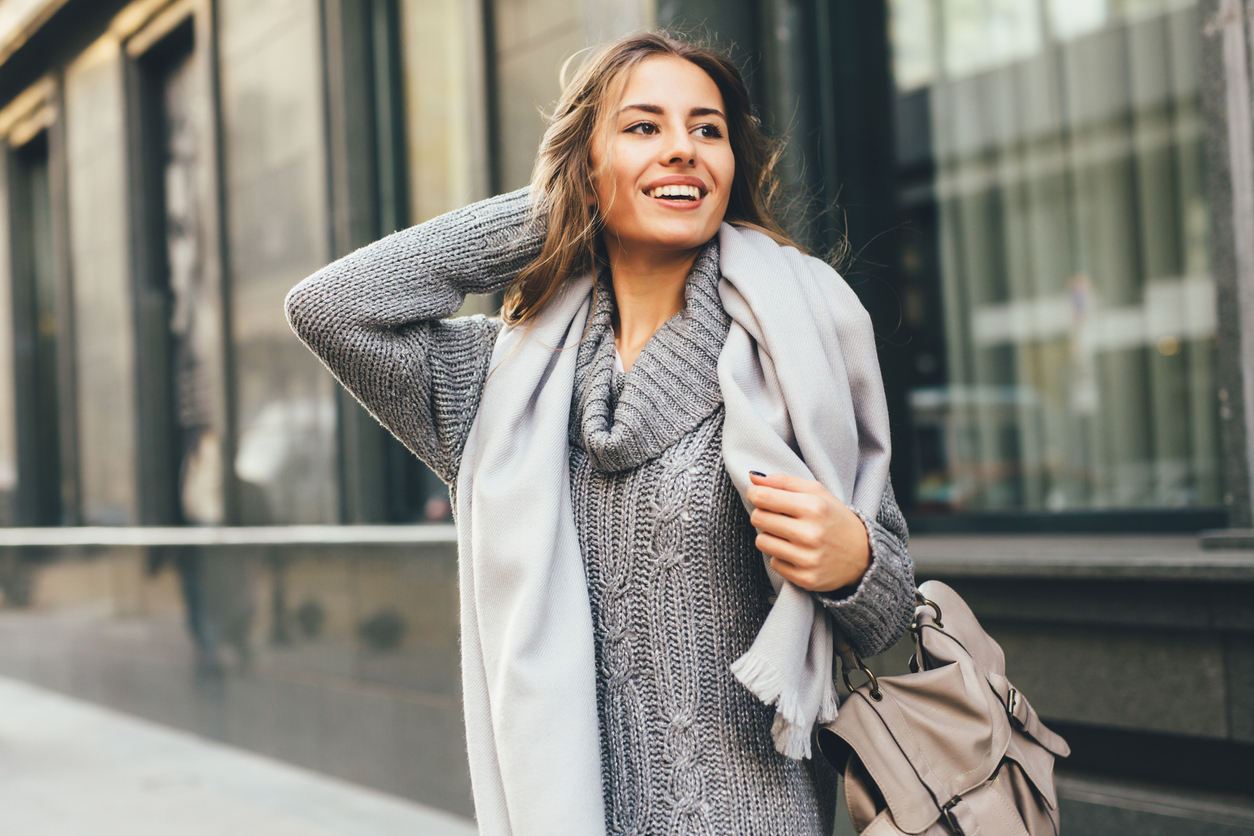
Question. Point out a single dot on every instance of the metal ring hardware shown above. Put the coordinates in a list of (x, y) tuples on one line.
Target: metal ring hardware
[(918, 596), (876, 694)]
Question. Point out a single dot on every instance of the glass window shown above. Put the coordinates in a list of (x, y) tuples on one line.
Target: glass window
[(534, 38), (100, 263), (189, 315), (1057, 276), (444, 102), (275, 177), (976, 34)]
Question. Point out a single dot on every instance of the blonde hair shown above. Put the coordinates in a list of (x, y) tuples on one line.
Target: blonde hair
[(563, 177)]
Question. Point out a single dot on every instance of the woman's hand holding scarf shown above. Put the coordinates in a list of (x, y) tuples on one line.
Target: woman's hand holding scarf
[(813, 539)]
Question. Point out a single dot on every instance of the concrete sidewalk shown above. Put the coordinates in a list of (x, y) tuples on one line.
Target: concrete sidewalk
[(70, 768)]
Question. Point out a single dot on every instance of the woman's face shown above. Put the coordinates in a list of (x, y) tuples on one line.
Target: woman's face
[(662, 162)]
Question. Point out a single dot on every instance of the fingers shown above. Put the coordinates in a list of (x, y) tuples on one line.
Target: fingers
[(805, 576), (792, 574), (800, 505), (792, 503), (783, 550), (784, 482), (803, 532)]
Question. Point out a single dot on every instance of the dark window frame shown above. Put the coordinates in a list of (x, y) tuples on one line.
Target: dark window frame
[(380, 481), (54, 499)]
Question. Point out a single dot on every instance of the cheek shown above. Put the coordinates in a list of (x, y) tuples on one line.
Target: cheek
[(612, 201), (726, 169), (615, 191), (602, 189), (604, 164), (628, 166), (610, 170)]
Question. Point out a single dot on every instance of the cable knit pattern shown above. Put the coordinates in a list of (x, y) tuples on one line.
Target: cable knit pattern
[(677, 589)]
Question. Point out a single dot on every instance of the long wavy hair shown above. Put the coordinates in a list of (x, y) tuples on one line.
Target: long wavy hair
[(563, 177)]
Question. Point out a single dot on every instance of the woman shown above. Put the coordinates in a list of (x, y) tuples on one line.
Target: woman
[(630, 665)]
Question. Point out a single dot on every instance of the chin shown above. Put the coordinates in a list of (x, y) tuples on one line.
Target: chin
[(682, 239)]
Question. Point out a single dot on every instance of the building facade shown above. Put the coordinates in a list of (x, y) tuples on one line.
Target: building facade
[(1046, 205)]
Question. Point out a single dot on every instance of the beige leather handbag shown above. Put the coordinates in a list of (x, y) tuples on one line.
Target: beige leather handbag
[(949, 749)]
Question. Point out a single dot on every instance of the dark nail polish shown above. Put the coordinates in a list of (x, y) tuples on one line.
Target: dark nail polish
[(756, 473)]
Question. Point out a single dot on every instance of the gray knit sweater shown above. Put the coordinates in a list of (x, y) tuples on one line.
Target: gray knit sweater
[(678, 591)]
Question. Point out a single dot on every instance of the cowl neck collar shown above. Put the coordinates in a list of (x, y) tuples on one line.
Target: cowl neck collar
[(623, 421)]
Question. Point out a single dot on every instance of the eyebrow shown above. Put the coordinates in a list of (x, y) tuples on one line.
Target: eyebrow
[(696, 111)]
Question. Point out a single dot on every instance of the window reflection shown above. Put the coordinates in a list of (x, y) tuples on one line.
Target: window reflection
[(977, 34), (1070, 18), (1059, 275), (342, 659), (281, 458), (276, 229), (100, 263), (197, 449)]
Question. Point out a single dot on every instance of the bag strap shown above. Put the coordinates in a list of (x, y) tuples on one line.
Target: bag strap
[(850, 660), (1024, 717)]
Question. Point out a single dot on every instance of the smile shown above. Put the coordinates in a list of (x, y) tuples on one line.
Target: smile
[(675, 192)]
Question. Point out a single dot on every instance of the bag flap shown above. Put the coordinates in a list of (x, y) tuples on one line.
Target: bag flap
[(957, 634), (934, 735), (859, 728), (1037, 765), (1024, 718)]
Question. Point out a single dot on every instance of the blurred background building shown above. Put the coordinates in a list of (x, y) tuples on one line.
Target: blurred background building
[(1050, 212)]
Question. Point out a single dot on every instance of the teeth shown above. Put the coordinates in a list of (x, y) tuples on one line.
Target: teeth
[(680, 192)]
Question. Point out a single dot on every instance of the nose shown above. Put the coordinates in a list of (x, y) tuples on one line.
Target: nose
[(681, 149)]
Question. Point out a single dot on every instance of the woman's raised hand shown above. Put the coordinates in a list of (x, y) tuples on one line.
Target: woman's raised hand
[(812, 538)]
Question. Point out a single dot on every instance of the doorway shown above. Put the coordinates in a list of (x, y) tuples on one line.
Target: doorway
[(37, 327)]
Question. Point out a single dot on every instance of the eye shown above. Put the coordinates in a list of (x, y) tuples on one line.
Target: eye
[(643, 128), (710, 132)]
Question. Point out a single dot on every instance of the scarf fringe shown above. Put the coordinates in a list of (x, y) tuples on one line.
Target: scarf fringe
[(791, 730), (830, 706)]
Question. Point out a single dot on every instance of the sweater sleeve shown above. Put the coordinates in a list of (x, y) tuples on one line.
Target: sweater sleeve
[(378, 319), (876, 613)]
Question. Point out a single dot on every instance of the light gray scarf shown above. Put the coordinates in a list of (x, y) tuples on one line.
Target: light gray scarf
[(803, 395)]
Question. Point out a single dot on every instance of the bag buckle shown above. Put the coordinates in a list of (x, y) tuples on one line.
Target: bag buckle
[(947, 813)]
